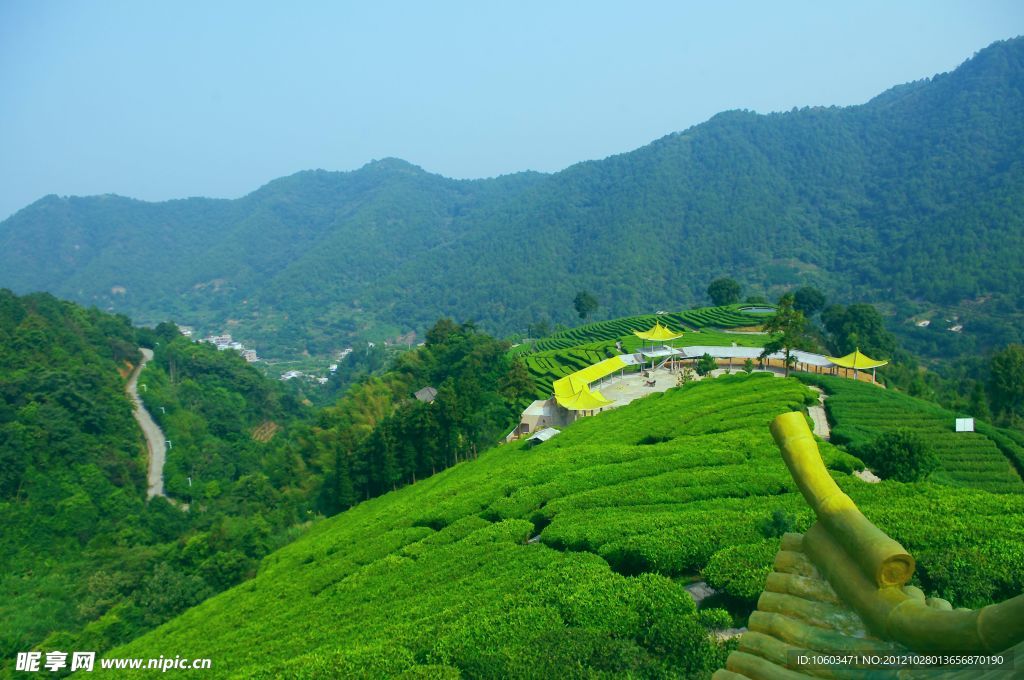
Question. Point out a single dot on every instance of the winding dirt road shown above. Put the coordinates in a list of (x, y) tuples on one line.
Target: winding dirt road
[(155, 440)]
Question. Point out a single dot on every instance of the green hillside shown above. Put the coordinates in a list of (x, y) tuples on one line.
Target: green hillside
[(989, 458), (72, 461), (901, 200), (555, 356), (86, 562), (569, 559)]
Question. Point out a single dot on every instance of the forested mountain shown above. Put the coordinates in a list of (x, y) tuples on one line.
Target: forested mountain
[(85, 561), (913, 196)]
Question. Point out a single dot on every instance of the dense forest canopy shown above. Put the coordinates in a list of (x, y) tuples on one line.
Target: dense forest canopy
[(86, 562), (912, 199)]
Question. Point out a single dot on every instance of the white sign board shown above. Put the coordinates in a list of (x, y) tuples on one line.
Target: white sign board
[(965, 424)]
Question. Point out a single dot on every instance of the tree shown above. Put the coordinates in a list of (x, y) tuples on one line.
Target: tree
[(858, 326), (443, 329), (788, 326), (724, 291), (748, 366), (539, 329), (900, 455), (585, 304), (808, 300), (1006, 381), (706, 364)]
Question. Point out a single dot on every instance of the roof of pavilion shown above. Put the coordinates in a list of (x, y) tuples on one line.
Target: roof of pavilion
[(584, 400), (856, 359), (658, 333), (574, 382)]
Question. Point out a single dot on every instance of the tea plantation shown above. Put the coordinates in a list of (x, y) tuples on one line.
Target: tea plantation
[(567, 351), (570, 559), (988, 459)]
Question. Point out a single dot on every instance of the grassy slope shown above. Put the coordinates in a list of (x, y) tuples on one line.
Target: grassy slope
[(441, 574), (983, 459), (567, 351)]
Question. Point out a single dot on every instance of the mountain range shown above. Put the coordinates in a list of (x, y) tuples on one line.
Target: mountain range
[(914, 197)]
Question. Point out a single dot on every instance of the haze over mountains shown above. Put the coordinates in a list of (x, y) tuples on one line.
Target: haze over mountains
[(914, 195)]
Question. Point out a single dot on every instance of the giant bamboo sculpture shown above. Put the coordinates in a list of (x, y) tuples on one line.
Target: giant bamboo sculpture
[(842, 586)]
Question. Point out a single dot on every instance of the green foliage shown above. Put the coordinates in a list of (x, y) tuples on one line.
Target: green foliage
[(740, 570), (779, 523), (808, 300), (87, 562), (378, 437), (706, 364), (858, 326), (448, 574), (901, 455), (789, 328), (901, 198), (988, 458), (584, 303), (748, 366), (724, 291), (1006, 384)]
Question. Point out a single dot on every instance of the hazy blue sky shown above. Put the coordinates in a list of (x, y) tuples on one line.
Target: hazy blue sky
[(174, 99)]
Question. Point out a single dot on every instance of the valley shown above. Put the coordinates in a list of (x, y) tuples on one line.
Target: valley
[(751, 389)]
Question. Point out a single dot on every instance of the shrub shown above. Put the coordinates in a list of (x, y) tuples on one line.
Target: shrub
[(781, 522), (706, 364), (900, 455), (740, 570)]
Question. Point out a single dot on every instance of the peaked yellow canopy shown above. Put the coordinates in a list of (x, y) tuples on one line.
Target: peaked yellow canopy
[(857, 360), (573, 391), (658, 333), (584, 400)]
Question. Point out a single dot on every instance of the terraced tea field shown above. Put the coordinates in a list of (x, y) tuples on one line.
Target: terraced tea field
[(574, 554), (984, 459), (706, 318), (558, 355)]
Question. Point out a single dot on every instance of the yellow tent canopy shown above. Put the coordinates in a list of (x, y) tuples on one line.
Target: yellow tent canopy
[(857, 361), (574, 382), (573, 391), (658, 333), (584, 400)]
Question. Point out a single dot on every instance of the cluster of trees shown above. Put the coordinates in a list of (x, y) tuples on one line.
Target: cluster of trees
[(378, 436), (988, 387), (93, 563), (61, 400), (841, 330), (72, 467)]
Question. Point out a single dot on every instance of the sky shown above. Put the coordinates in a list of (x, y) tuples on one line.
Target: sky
[(160, 100)]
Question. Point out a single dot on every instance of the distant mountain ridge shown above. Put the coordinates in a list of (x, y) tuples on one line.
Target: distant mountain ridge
[(917, 193)]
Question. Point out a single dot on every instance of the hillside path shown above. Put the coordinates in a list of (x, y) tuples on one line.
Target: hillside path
[(817, 414), (156, 442), (822, 429)]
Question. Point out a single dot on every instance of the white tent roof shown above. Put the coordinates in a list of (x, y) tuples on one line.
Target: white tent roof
[(719, 352), (544, 435)]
